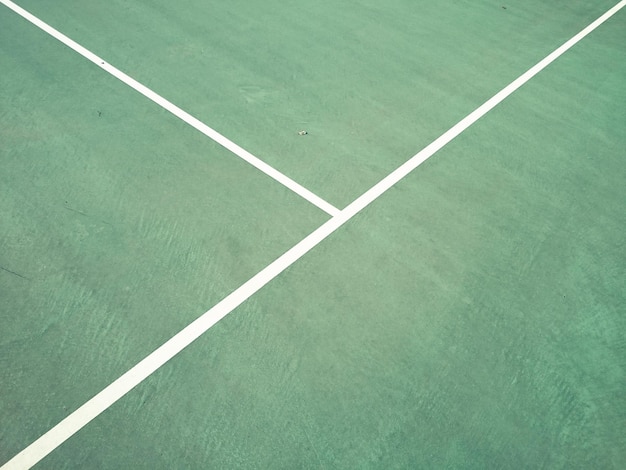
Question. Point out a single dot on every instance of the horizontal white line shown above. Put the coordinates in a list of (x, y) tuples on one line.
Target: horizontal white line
[(103, 400), (178, 112)]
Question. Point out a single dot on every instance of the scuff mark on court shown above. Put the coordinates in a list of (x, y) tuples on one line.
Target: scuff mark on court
[(14, 273)]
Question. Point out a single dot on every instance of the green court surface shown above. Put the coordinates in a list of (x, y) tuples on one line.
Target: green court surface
[(470, 317), (372, 82)]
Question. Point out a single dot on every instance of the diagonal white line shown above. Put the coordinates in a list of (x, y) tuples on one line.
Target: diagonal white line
[(178, 112), (116, 390)]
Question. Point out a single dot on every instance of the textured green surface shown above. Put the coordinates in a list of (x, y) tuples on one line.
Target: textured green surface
[(372, 82), (119, 225), (472, 317)]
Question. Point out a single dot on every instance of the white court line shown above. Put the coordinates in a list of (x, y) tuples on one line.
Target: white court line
[(107, 397), (176, 111)]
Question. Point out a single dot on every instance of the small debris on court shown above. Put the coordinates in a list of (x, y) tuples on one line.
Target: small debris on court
[(302, 133)]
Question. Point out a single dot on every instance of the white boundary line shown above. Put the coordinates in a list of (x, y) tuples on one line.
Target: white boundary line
[(116, 390), (178, 112)]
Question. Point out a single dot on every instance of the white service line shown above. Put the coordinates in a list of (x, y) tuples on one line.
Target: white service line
[(103, 400), (178, 112)]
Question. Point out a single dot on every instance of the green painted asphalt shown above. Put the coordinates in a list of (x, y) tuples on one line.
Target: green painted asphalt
[(371, 82), (472, 317), (119, 225)]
